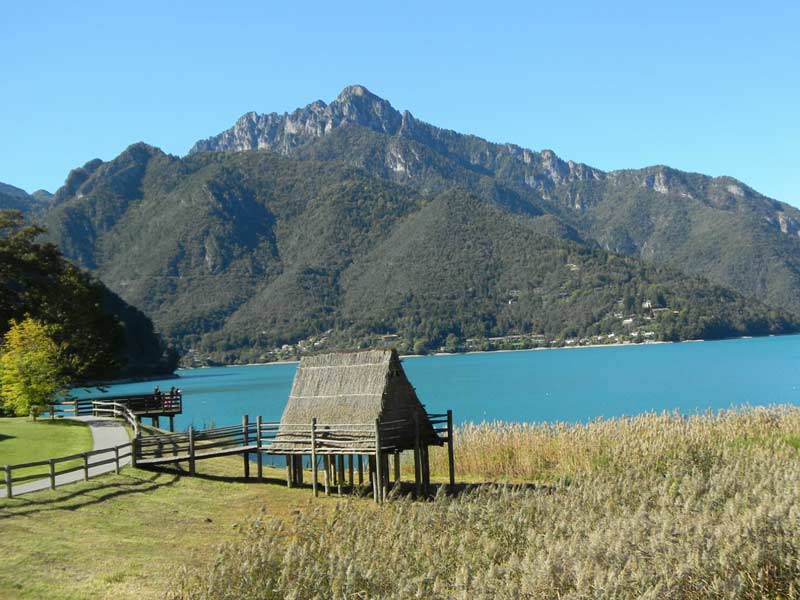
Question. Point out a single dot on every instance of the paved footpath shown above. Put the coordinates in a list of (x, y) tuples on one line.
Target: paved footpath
[(106, 433)]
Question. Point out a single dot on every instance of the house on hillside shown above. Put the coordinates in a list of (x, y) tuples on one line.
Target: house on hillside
[(347, 405)]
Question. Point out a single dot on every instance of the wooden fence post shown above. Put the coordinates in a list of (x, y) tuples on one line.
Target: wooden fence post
[(314, 466), (86, 466), (9, 491), (259, 445), (245, 439), (450, 460), (52, 474), (134, 445), (378, 470), (417, 457), (191, 450), (116, 460)]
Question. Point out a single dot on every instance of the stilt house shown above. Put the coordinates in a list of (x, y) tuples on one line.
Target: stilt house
[(354, 404)]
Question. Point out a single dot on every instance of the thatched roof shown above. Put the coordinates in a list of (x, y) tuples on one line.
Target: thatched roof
[(356, 388)]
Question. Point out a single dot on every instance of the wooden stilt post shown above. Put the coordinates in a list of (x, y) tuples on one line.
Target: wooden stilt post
[(385, 471), (171, 423), (350, 471), (289, 474), (397, 467), (327, 464), (372, 481), (378, 461), (426, 470), (245, 442), (298, 469), (360, 470), (417, 458), (156, 422), (259, 447), (314, 467), (340, 472), (191, 450), (451, 464)]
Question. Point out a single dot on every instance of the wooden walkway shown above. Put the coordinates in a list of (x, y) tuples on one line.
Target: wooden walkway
[(332, 445)]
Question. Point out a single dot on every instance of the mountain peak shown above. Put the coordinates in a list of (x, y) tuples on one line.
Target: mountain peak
[(281, 133), (355, 90)]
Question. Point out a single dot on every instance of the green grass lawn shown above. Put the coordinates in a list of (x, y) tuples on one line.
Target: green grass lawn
[(24, 441), (126, 536)]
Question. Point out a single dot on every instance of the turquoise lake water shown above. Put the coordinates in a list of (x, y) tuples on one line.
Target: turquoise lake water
[(552, 385)]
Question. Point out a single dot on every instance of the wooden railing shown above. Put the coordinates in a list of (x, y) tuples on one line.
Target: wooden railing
[(105, 408), (141, 405)]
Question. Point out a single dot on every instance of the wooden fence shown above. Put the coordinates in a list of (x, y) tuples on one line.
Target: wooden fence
[(118, 453)]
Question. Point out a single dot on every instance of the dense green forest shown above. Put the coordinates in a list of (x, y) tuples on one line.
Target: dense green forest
[(102, 337), (236, 255)]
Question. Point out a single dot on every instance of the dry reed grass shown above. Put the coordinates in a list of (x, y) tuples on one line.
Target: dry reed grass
[(656, 506)]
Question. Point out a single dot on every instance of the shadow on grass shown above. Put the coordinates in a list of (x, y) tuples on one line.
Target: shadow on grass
[(87, 495), (6, 437), (59, 422), (181, 472)]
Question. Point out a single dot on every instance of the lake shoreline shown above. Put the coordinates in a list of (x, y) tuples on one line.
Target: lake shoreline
[(614, 345), (472, 352)]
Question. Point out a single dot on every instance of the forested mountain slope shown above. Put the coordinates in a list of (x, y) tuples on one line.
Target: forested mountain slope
[(716, 227), (235, 253)]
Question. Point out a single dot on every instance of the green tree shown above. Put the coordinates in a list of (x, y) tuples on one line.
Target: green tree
[(32, 371)]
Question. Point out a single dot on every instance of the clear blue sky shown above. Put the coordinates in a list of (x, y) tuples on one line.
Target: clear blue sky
[(712, 87)]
